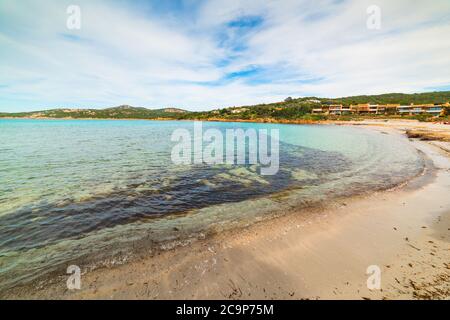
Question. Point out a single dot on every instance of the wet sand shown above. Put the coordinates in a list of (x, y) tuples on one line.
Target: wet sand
[(319, 254)]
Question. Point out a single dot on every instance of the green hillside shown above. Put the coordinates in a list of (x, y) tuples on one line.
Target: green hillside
[(300, 109), (401, 98), (121, 112), (289, 109)]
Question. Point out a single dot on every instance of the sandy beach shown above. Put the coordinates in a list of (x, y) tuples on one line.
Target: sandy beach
[(216, 157), (317, 254)]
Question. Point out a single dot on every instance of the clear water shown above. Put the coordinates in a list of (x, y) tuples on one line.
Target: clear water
[(73, 189)]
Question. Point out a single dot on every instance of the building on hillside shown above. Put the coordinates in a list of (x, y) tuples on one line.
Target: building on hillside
[(390, 108), (373, 108), (345, 110), (405, 109), (367, 108), (338, 109), (238, 110), (383, 108), (318, 111), (433, 109), (334, 109), (360, 108)]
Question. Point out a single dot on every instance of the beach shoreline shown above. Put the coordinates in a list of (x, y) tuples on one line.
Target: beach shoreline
[(323, 255)]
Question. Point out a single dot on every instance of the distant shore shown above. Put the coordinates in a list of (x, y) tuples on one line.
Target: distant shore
[(320, 254), (413, 128)]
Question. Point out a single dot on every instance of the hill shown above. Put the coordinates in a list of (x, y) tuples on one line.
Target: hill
[(289, 109), (300, 108), (120, 112)]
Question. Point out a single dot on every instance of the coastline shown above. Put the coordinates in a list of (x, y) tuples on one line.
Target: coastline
[(322, 255), (413, 128)]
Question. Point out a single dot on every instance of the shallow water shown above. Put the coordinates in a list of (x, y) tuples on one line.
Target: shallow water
[(73, 188)]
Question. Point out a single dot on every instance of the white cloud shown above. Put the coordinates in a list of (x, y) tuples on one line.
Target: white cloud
[(123, 55)]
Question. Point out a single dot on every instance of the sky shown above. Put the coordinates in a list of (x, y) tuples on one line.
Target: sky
[(203, 55)]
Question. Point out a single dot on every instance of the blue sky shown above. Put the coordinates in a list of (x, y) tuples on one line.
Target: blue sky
[(201, 55)]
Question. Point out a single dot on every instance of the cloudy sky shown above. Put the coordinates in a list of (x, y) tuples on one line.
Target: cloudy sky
[(201, 55)]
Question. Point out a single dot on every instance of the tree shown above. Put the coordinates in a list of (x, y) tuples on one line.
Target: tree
[(446, 111)]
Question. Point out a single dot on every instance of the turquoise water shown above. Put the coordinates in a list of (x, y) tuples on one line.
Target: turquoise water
[(76, 189)]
